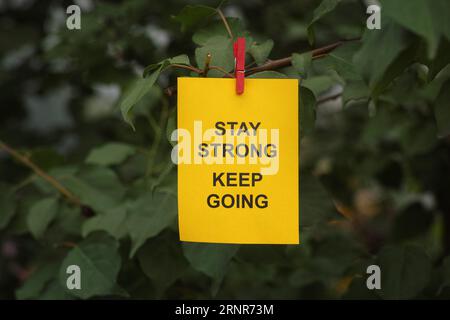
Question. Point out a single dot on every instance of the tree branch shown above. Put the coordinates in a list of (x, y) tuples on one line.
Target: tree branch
[(226, 74), (269, 65), (28, 163), (284, 62), (186, 67), (204, 71)]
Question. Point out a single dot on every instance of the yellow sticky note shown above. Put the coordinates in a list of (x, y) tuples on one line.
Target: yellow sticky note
[(238, 161)]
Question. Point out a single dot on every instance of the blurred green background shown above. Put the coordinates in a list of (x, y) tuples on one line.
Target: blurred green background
[(375, 149)]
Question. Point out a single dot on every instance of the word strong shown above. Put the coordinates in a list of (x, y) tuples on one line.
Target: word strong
[(237, 159)]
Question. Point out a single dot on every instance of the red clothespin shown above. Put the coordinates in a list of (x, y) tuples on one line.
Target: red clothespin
[(239, 56)]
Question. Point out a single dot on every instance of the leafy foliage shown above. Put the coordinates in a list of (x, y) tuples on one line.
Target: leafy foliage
[(100, 263), (407, 272), (374, 127), (110, 154), (41, 214)]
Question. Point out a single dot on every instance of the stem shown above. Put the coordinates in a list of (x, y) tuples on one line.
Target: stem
[(163, 174), (28, 163), (23, 183), (186, 67), (207, 63), (202, 72), (284, 62), (225, 22), (226, 74), (269, 65)]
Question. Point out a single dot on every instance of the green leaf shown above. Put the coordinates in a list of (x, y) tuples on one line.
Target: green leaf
[(334, 254), (180, 59), (59, 173), (316, 204), (69, 220), (260, 52), (192, 15), (221, 50), (97, 187), (110, 154), (325, 7), (355, 90), (164, 64), (381, 68), (302, 63), (431, 91), (18, 224), (146, 105), (419, 138), (37, 281), (217, 29), (320, 84), (99, 262), (340, 60), (357, 290), (441, 60), (7, 207), (210, 258), (171, 127), (442, 110), (41, 215), (143, 86), (54, 291), (148, 216), (428, 19), (405, 271), (307, 111), (268, 75), (112, 222), (162, 260), (135, 93)]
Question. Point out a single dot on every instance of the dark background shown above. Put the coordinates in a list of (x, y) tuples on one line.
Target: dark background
[(375, 152)]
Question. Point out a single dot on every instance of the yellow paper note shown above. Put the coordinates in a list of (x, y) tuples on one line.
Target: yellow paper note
[(238, 161)]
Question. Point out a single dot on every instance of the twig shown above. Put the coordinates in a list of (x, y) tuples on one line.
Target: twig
[(28, 163), (170, 91), (284, 62), (269, 65), (226, 74), (323, 55), (23, 183), (207, 63), (225, 22), (186, 67), (200, 71)]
